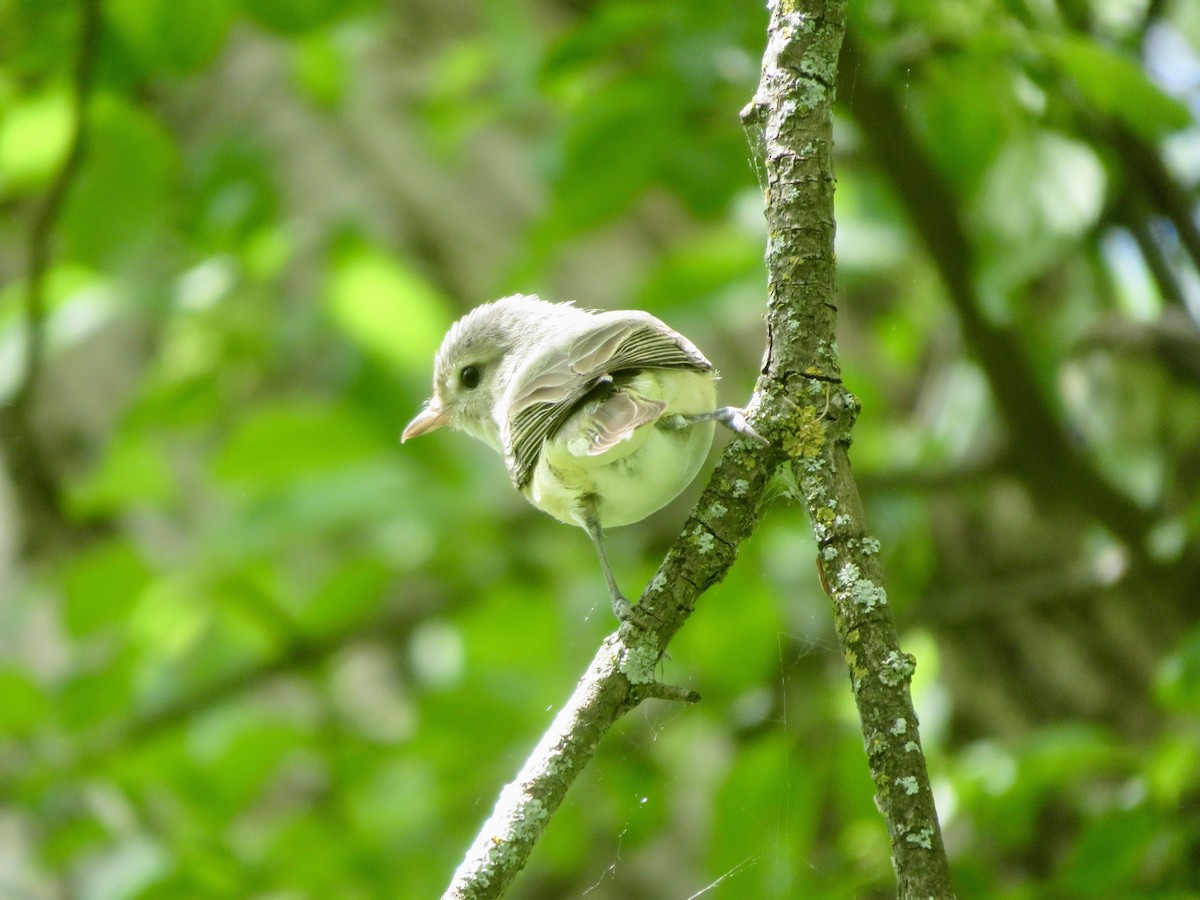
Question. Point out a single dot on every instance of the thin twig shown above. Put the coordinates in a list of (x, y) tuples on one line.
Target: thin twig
[(794, 101)]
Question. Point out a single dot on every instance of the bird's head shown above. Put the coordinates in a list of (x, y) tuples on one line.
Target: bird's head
[(474, 364)]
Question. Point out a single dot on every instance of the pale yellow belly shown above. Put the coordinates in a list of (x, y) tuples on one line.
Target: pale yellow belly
[(640, 475)]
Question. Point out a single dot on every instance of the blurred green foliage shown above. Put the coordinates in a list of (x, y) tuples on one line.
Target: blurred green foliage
[(256, 649)]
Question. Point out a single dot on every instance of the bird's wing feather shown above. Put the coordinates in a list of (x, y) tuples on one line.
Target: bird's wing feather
[(615, 418), (549, 388)]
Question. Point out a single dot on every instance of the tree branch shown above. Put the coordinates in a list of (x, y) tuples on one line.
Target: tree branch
[(36, 485), (620, 676), (794, 100), (1141, 161), (1144, 165), (1045, 453), (1132, 210)]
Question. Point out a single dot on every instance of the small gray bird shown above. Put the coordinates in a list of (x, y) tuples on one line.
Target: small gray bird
[(602, 417)]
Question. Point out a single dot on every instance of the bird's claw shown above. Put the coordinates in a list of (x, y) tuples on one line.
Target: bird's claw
[(737, 422), (622, 608), (731, 417)]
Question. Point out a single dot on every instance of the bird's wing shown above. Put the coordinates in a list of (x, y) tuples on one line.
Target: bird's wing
[(613, 419), (550, 387)]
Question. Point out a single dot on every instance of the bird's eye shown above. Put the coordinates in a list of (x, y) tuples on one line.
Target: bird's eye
[(470, 377)]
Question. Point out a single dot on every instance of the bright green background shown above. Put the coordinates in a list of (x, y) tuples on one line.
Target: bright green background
[(267, 652)]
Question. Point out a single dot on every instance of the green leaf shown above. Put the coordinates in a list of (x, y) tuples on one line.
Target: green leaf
[(178, 36), (1119, 86), (34, 136), (37, 36), (1043, 188), (1178, 685), (710, 262), (1112, 849), (319, 67), (293, 16), (386, 307), (614, 26), (101, 586), (71, 838), (133, 471), (398, 800), (279, 445), (969, 132), (751, 792), (62, 285), (100, 694), (352, 501), (167, 622), (347, 595), (126, 183), (233, 195), (240, 753), (613, 154), (24, 705)]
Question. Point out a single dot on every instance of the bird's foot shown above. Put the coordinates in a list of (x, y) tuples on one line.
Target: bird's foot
[(622, 608), (731, 417), (735, 420)]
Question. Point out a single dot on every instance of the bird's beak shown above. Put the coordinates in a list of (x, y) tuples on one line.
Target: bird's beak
[(431, 418)]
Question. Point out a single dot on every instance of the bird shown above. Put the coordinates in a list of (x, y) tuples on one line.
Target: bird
[(602, 417)]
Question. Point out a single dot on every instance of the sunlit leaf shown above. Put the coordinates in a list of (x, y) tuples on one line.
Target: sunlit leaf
[(24, 705), (168, 620), (124, 188), (320, 68), (1045, 186), (386, 307), (1120, 87), (178, 36), (293, 17), (102, 586), (278, 445), (34, 136)]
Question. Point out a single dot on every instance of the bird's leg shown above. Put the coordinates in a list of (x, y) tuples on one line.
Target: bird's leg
[(590, 520), (731, 417)]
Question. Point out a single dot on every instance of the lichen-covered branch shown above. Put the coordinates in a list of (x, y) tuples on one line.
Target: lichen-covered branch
[(621, 675), (793, 105), (526, 804), (801, 406)]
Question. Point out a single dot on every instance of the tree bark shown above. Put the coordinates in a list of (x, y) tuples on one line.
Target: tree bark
[(802, 407), (793, 105)]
